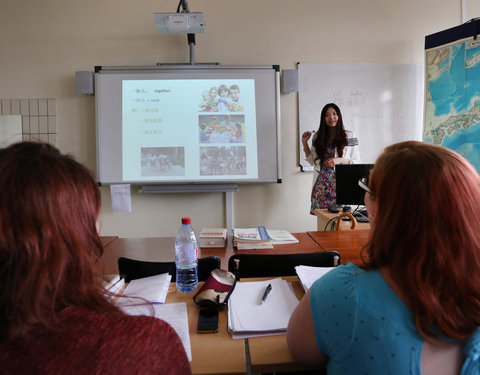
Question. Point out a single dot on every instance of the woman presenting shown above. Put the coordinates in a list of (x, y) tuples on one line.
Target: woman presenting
[(331, 145)]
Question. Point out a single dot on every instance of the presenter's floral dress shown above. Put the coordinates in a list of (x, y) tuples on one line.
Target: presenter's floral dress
[(324, 190)]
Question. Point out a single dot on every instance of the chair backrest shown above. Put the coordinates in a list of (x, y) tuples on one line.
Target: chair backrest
[(350, 216), (267, 265), (133, 269)]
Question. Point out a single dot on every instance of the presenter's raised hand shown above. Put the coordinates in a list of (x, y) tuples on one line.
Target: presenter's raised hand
[(306, 136)]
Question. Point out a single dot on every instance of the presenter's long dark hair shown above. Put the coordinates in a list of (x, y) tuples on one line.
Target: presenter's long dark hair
[(320, 140), (49, 243), (427, 233)]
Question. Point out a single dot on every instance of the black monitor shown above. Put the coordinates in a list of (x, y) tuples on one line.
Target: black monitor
[(347, 176)]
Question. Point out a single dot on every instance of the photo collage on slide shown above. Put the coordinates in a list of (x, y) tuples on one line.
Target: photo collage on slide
[(163, 161), (221, 132)]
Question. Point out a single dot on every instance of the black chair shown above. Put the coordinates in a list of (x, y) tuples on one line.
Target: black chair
[(272, 265), (132, 269)]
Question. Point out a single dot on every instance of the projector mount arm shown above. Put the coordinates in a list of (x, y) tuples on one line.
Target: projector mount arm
[(184, 5), (190, 37)]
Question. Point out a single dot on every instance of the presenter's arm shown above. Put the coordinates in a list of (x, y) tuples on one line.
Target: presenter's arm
[(301, 334), (306, 148), (351, 153)]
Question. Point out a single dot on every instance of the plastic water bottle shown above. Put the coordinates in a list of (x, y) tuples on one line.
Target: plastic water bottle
[(186, 257)]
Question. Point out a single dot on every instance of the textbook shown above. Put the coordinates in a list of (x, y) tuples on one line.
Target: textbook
[(213, 237), (278, 236), (251, 238)]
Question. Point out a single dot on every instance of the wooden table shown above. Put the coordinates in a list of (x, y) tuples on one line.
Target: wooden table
[(325, 218), (107, 239), (219, 353), (162, 249), (212, 353), (347, 242)]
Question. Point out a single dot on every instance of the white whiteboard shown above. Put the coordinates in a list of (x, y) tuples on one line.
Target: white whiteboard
[(381, 103)]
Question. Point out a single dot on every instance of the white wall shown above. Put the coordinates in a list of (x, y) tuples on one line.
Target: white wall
[(43, 43)]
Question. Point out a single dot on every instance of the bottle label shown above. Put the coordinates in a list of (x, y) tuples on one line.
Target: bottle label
[(187, 255)]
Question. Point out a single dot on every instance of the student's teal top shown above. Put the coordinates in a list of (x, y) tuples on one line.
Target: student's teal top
[(365, 329)]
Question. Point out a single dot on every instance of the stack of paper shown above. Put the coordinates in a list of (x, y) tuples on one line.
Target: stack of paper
[(308, 275), (249, 317), (278, 237), (174, 314), (154, 289), (251, 238)]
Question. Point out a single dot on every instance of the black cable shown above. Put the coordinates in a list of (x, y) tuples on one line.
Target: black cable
[(332, 226), (328, 222)]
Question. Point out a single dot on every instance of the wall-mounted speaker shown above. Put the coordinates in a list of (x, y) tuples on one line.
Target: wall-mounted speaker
[(289, 81), (84, 82)]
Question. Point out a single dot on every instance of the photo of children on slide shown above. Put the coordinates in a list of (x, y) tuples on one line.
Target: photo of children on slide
[(163, 161), (221, 128), (225, 160), (221, 99)]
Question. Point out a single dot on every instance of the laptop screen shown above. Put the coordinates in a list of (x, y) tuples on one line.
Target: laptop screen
[(347, 176)]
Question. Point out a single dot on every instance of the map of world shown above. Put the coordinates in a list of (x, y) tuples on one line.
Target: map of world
[(452, 107)]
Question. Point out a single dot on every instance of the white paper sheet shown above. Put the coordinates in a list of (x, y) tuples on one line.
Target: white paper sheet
[(121, 198), (248, 317), (174, 314), (308, 275)]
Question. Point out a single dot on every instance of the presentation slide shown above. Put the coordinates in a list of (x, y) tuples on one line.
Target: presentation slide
[(189, 129)]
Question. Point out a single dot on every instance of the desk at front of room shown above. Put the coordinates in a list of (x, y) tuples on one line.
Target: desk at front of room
[(325, 219), (218, 353)]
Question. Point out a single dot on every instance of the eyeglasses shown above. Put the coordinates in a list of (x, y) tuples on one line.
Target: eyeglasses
[(363, 183)]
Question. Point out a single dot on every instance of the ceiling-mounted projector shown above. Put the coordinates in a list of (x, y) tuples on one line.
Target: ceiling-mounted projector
[(180, 23)]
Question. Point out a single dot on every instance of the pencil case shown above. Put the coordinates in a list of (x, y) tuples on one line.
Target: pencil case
[(216, 289)]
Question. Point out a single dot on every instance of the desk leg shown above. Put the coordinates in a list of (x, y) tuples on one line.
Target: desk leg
[(247, 357), (325, 224)]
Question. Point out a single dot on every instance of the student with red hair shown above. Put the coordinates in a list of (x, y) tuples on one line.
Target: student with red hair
[(54, 317), (413, 307)]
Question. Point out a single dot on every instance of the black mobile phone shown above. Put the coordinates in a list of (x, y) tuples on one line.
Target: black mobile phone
[(207, 321)]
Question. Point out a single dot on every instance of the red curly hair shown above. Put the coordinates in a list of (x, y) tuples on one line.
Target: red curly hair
[(427, 232)]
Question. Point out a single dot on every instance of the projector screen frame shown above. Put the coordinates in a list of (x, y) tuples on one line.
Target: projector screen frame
[(197, 71)]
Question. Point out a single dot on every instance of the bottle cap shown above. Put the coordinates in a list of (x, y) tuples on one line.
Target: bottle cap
[(186, 220)]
